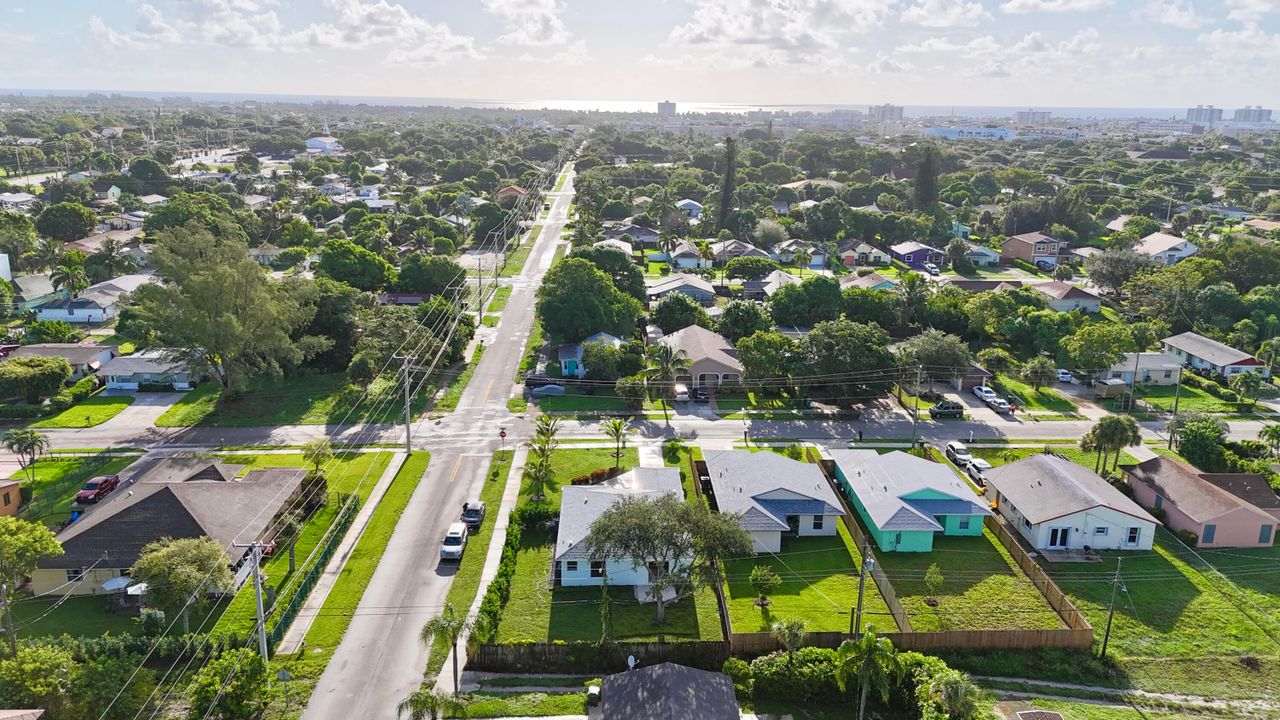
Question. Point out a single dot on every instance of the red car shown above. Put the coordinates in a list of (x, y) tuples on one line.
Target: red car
[(96, 489)]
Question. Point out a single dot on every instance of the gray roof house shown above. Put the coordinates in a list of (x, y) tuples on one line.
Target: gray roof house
[(766, 286), (713, 360), (773, 495), (83, 359), (570, 355), (582, 505), (32, 290), (146, 367), (695, 287), (1202, 353), (668, 692)]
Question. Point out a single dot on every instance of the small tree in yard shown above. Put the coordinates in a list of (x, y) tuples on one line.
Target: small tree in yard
[(791, 634), (231, 686), (427, 703), (27, 445), (1039, 371), (1247, 385), (449, 625), (22, 543), (933, 579), (766, 582), (318, 453), (872, 662), (679, 542), (179, 572), (616, 429)]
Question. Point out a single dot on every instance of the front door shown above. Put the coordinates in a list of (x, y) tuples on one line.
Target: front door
[(1058, 537)]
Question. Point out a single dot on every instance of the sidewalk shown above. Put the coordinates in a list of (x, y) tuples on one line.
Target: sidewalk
[(444, 682), (292, 640)]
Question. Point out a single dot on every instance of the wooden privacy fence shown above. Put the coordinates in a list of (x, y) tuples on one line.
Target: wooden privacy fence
[(592, 658), (698, 468)]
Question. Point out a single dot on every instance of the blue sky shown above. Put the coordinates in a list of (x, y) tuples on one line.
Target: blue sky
[(1131, 53)]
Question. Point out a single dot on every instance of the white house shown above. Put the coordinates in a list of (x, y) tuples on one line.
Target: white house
[(1056, 504), (97, 304), (692, 285), (685, 255), (1065, 297), (146, 367), (692, 208), (773, 496), (1202, 353), (1165, 248), (785, 252), (1152, 367), (256, 202), (324, 144), (981, 255), (16, 201), (153, 200), (570, 355), (582, 505), (83, 359)]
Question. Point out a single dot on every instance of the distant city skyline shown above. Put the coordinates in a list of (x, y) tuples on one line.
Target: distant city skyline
[(1037, 54)]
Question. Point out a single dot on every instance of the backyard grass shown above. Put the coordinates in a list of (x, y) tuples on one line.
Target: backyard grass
[(1161, 397), (682, 459), (819, 586), (1091, 711), (982, 588), (1028, 398), (504, 705), (89, 412), (517, 257), (77, 617), (466, 580), (299, 400), (57, 480), (537, 612), (500, 298)]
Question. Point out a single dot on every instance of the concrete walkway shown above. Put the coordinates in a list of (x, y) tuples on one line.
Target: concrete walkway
[(292, 640), (651, 456), (510, 494)]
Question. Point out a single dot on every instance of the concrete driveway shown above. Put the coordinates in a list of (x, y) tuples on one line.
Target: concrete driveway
[(147, 407)]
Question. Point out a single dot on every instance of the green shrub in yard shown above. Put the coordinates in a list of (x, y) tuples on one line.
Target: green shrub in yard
[(495, 598), (810, 677), (740, 672), (74, 394)]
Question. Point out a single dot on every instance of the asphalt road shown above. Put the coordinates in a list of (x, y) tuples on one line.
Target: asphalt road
[(380, 659)]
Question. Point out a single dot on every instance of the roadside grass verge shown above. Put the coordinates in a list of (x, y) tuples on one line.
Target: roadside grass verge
[(1029, 398), (732, 403), (517, 257), (508, 705), (1001, 456), (89, 412), (324, 399), (453, 392), (500, 298)]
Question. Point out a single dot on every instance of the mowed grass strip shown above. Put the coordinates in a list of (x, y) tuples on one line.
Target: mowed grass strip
[(89, 412), (1029, 398), (500, 298), (324, 399), (998, 456)]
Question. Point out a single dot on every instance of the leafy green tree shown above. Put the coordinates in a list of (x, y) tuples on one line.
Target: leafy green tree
[(926, 181), (817, 299), (49, 331), (626, 275), (1270, 434), (953, 693), (1247, 384), (41, 676), (22, 544), (766, 355), (940, 354), (768, 233), (872, 663), (1098, 346), (832, 349), (1198, 437), (448, 625), (728, 181), (678, 311), (56, 191), (231, 686), (1039, 371), (577, 300), (317, 452), (28, 445), (17, 235), (1113, 268), (914, 289), (684, 541), (765, 582), (33, 378), (110, 259), (66, 221), (666, 363), (882, 307), (179, 572), (70, 275), (996, 360), (749, 268), (741, 318), (431, 274), (791, 634), (363, 269)]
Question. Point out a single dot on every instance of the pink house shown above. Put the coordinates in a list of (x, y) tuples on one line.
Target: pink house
[(1217, 507)]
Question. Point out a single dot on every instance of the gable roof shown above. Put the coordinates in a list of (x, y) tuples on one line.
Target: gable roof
[(866, 282), (1064, 291), (765, 487), (771, 283), (636, 231), (677, 281), (1185, 487), (668, 692), (616, 244), (699, 343), (145, 361), (1030, 238), (911, 246), (981, 285), (30, 287), (1209, 350), (1158, 242), (883, 482), (736, 248), (581, 505), (1045, 487), (73, 353), (1249, 487)]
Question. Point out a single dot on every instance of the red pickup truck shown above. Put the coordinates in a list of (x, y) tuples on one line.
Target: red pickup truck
[(96, 489)]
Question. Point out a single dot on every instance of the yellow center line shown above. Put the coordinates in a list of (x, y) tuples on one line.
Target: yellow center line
[(456, 465), (487, 389)]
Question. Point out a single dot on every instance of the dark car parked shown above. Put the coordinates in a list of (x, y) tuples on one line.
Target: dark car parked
[(473, 514), (701, 395), (97, 488), (947, 409)]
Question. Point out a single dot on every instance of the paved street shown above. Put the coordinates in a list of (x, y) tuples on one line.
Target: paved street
[(380, 660)]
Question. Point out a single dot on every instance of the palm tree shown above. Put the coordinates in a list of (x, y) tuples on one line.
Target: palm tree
[(955, 252), (69, 275), (802, 258), (955, 692), (429, 704), (447, 624), (1269, 352), (791, 633), (914, 290), (706, 253), (665, 363), (47, 254), (872, 662), (1113, 434), (1270, 434), (1247, 385), (616, 429), (111, 258), (27, 445)]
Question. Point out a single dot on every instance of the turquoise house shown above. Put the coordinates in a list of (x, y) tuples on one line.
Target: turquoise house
[(904, 500)]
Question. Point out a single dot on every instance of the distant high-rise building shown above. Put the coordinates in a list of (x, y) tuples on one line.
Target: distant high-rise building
[(885, 113), (1206, 114), (666, 109), (1031, 117), (1252, 113)]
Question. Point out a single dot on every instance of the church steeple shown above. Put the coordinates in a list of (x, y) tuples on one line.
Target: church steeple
[(326, 126)]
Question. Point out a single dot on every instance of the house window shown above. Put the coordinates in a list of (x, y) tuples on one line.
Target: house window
[(964, 523), (1134, 535), (1159, 502), (571, 566), (1026, 523), (1264, 535), (6, 500), (597, 568), (817, 522), (1209, 531), (75, 574), (1168, 374), (1101, 531)]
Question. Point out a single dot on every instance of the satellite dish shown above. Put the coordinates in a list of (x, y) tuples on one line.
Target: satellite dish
[(631, 662)]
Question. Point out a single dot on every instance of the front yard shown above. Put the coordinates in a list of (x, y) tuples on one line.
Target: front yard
[(1029, 398), (998, 456), (89, 412), (57, 480), (1161, 397), (729, 403)]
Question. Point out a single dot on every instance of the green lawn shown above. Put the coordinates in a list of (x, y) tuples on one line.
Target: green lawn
[(345, 476), (1028, 398), (575, 401), (732, 403), (564, 177), (77, 616), (1161, 397), (1090, 711), (820, 587), (57, 480), (999, 456), (89, 412), (574, 462), (518, 256), (466, 580), (982, 588), (299, 400), (505, 705), (453, 393), (654, 268), (500, 298)]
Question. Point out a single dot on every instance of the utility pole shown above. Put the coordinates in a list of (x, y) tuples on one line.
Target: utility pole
[(1133, 383), (1111, 611), (1177, 395), (915, 409), (408, 418), (255, 557), (868, 563)]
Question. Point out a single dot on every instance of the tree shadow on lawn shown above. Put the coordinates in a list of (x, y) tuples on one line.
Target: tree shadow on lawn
[(575, 615)]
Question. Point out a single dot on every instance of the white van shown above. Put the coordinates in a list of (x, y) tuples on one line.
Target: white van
[(681, 392)]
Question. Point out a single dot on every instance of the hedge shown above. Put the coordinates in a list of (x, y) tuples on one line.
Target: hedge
[(74, 394), (499, 591)]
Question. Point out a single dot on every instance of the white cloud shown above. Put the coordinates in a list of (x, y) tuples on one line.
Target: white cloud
[(574, 53), (945, 13), (8, 37), (888, 65), (1250, 50), (777, 32), (110, 38), (531, 22), (1057, 6), (984, 44), (1175, 13), (152, 26), (993, 69), (1248, 11)]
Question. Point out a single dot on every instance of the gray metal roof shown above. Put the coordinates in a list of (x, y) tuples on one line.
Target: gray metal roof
[(668, 692), (73, 353), (1208, 350), (581, 505), (699, 343), (883, 482), (675, 282), (765, 487), (1186, 488), (1045, 487), (145, 361)]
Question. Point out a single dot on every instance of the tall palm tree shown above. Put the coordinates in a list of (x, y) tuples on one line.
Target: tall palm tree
[(111, 258), (955, 692), (802, 258), (870, 660), (1269, 352), (27, 445), (542, 447), (69, 275), (665, 364), (914, 290), (448, 624), (47, 253), (429, 704), (1114, 433), (791, 633), (616, 429), (706, 253), (1270, 434), (955, 251)]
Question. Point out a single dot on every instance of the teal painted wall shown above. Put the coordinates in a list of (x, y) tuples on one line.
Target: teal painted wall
[(951, 525), (888, 541)]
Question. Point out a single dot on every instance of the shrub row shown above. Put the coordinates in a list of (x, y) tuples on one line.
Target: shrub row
[(74, 394), (595, 477), (167, 648), (523, 516), (1211, 387)]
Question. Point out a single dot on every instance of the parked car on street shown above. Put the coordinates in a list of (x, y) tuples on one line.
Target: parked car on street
[(947, 409), (1000, 405), (976, 470), (984, 393), (548, 390), (473, 514), (455, 542), (958, 453), (1064, 376), (97, 488)]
